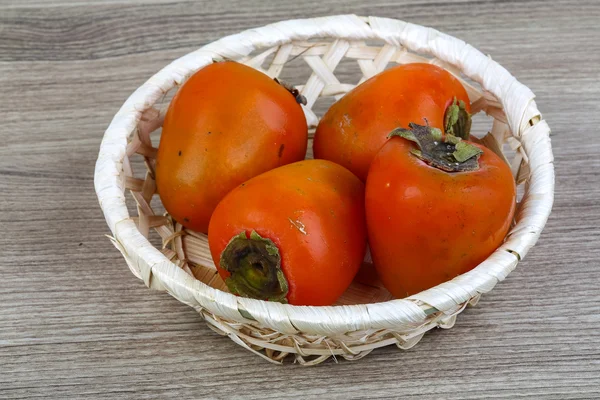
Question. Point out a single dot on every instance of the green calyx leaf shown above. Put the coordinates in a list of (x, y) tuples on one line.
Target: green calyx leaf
[(409, 133), (464, 151), (457, 120), (403, 133), (436, 134), (446, 152)]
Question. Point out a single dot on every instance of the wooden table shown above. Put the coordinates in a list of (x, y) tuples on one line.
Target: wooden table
[(75, 323)]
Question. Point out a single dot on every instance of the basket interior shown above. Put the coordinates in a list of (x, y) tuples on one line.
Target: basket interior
[(323, 70)]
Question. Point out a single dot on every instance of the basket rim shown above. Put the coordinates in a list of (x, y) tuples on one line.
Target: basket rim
[(334, 319)]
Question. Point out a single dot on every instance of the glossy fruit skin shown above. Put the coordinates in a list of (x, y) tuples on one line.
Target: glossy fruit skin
[(427, 226), (354, 128), (313, 210), (226, 124)]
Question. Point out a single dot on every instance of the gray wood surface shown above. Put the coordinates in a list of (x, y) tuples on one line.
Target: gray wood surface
[(75, 323)]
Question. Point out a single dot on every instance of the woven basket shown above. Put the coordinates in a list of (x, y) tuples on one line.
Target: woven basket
[(363, 320)]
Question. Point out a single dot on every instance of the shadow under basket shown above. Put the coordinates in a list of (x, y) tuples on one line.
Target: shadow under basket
[(332, 55)]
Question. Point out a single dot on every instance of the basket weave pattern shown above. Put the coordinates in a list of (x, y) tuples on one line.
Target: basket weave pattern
[(183, 266)]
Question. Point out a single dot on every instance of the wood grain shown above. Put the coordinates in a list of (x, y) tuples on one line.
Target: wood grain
[(74, 322)]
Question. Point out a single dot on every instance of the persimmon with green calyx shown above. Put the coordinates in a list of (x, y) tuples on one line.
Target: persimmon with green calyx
[(436, 207), (354, 128), (295, 234), (227, 123)]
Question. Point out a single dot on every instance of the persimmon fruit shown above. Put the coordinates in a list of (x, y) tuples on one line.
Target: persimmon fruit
[(226, 124)]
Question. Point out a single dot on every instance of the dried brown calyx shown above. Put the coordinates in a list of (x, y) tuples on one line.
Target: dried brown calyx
[(446, 152), (300, 99), (255, 266)]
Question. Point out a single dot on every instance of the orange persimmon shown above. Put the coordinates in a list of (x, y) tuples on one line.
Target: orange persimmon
[(436, 207), (353, 130), (295, 234), (226, 124)]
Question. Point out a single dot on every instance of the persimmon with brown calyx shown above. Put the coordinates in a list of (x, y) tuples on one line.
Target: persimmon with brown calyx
[(295, 234), (436, 207), (355, 127)]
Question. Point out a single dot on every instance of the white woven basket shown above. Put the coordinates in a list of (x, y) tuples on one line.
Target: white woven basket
[(313, 334)]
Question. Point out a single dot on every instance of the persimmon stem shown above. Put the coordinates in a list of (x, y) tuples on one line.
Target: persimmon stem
[(445, 152), (300, 99), (255, 267)]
